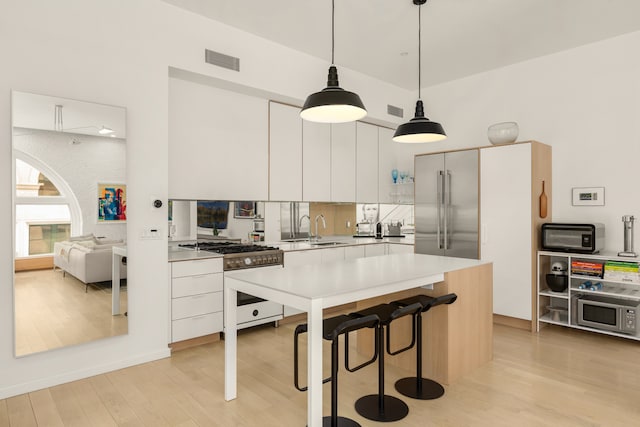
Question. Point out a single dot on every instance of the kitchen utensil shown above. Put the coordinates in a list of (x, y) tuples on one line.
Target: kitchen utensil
[(543, 203), (558, 313), (557, 282)]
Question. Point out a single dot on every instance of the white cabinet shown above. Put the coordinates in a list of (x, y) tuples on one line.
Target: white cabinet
[(316, 161), (588, 277), (331, 254), (511, 181), (399, 248), (343, 160), (353, 252), (386, 163), (366, 163), (213, 154), (296, 258), (375, 250), (285, 152), (196, 298)]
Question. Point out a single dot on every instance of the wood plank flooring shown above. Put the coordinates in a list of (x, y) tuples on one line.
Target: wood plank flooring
[(559, 377), (52, 310)]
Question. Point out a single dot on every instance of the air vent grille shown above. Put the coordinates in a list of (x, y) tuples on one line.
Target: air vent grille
[(395, 111), (222, 60)]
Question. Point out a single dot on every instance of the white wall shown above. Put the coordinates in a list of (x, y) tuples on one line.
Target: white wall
[(119, 53), (584, 102)]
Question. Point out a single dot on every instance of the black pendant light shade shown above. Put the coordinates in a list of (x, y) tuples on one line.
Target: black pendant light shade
[(333, 104), (419, 129)]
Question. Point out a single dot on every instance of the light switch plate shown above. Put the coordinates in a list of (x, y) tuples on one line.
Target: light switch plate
[(151, 233)]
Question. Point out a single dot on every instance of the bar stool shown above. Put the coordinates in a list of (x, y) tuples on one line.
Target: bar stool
[(332, 328), (418, 387), (382, 407)]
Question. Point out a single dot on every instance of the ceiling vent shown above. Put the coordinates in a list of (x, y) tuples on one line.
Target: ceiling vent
[(395, 111), (221, 60)]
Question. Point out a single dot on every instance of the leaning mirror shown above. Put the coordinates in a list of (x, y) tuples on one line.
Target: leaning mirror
[(70, 221)]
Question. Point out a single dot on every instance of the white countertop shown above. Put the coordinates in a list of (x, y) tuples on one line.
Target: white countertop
[(177, 253), (356, 277)]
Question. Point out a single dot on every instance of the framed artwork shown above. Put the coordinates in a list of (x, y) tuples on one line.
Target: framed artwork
[(587, 196), (244, 209), (112, 202)]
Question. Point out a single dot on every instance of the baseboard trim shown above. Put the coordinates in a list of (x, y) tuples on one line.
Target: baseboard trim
[(512, 322), (194, 342), (67, 377)]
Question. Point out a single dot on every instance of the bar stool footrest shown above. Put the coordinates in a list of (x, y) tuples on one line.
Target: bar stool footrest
[(426, 390), (393, 409)]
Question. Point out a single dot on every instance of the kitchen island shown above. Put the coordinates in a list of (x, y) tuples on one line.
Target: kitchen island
[(463, 335)]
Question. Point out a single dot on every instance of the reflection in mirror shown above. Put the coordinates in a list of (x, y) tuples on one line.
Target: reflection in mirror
[(70, 212)]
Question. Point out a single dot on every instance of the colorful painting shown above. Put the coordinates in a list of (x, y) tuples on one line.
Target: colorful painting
[(112, 202)]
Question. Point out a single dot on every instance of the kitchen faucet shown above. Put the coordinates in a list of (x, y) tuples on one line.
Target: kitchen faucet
[(324, 224), (300, 223)]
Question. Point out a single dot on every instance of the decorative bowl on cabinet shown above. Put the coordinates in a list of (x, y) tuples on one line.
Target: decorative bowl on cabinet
[(503, 133)]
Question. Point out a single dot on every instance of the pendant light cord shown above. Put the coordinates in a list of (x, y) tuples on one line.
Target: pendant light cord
[(419, 50), (333, 18)]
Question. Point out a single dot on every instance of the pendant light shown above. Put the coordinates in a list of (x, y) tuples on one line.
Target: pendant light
[(333, 104), (420, 128)]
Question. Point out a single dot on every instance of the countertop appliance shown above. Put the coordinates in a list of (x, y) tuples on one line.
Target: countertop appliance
[(252, 310), (446, 204), (610, 314), (569, 237)]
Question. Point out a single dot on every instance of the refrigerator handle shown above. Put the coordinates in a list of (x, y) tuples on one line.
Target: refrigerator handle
[(447, 203), (439, 196)]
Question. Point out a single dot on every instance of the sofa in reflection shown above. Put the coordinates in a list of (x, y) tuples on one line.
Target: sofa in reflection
[(87, 258)]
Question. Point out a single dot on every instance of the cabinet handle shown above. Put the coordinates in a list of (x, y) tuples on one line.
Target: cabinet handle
[(198, 296), (199, 276)]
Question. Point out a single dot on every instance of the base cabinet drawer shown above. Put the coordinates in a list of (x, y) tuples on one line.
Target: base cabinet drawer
[(196, 305), (197, 326), (194, 285), (196, 267)]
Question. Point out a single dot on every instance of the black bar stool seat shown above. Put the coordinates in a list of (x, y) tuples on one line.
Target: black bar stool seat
[(380, 406), (418, 387), (332, 328)]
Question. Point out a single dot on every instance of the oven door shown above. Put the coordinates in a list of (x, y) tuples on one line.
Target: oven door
[(599, 314), (246, 299)]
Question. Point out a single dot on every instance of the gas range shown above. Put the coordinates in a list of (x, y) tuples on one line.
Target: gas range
[(237, 256)]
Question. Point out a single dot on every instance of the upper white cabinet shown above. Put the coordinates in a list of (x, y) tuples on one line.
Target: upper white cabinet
[(285, 152), (214, 151), (510, 184), (386, 163), (343, 159), (316, 161), (366, 163)]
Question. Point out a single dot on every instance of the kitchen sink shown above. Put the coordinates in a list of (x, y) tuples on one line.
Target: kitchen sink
[(327, 243)]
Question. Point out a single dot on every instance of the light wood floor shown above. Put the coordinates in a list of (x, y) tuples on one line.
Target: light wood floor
[(52, 311), (559, 377)]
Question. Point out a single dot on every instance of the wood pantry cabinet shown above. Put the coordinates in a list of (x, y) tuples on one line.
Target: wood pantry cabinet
[(511, 179), (196, 298)]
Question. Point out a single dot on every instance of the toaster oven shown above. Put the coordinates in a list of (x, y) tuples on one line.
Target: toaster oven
[(568, 237)]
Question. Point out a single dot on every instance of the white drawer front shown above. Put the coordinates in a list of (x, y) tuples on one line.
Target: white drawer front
[(250, 312), (196, 305), (195, 267), (198, 326), (194, 285)]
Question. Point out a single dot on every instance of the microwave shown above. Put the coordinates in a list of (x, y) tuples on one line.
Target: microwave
[(609, 314), (579, 238)]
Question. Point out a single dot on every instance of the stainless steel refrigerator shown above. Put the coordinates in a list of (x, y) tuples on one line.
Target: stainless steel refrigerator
[(446, 204)]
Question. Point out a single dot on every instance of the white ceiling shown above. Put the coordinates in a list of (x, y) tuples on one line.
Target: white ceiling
[(459, 37)]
